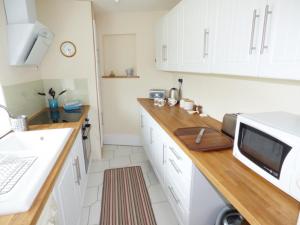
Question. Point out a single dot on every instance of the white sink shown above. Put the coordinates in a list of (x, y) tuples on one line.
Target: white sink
[(46, 145)]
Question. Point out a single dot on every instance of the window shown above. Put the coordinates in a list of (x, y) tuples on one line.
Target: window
[(4, 118)]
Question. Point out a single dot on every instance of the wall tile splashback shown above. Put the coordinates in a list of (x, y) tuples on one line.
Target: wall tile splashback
[(77, 89), (22, 99)]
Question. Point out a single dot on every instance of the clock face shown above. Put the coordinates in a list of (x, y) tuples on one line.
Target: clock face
[(68, 49)]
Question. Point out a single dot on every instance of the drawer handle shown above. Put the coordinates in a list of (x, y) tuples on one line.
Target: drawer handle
[(175, 153), (175, 166), (174, 195)]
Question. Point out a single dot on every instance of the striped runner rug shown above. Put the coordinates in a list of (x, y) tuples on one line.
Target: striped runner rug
[(125, 199)]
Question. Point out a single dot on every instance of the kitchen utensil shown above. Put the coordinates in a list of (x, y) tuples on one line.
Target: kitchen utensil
[(211, 140), (199, 136), (19, 123), (188, 105), (173, 93), (180, 81), (172, 102)]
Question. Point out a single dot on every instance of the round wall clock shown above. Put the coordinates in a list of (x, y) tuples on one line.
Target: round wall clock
[(68, 49)]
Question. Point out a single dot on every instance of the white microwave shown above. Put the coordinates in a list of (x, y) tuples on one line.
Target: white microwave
[(269, 144)]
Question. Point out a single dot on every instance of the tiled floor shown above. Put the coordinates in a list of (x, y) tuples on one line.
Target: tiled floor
[(122, 156)]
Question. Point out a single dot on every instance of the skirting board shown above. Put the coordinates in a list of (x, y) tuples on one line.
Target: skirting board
[(122, 139)]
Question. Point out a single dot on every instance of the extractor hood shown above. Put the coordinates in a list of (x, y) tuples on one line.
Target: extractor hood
[(28, 39)]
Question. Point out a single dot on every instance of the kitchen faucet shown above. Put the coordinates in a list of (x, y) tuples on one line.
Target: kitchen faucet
[(6, 109), (18, 123)]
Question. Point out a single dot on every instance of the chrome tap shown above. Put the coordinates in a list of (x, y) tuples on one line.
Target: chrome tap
[(6, 109), (18, 123)]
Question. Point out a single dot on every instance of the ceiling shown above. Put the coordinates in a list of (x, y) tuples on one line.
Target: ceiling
[(133, 5)]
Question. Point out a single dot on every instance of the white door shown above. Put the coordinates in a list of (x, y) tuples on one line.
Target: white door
[(238, 28), (68, 194), (173, 38), (159, 152), (196, 28), (280, 48)]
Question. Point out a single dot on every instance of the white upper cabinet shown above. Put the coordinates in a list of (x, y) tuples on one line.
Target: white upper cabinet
[(280, 47), (173, 38), (258, 38), (196, 27), (238, 28)]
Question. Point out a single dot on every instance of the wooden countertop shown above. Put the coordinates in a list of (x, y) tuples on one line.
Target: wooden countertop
[(30, 217), (260, 202)]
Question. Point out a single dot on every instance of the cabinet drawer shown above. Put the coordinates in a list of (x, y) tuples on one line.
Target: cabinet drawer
[(177, 202), (179, 177), (179, 158)]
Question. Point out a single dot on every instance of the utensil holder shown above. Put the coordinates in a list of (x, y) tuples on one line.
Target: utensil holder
[(53, 103), (19, 123)]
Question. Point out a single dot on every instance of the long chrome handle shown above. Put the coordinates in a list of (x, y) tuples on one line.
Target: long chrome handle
[(252, 47), (79, 170), (173, 194), (163, 158), (268, 12), (175, 166), (142, 121), (205, 43), (164, 54), (151, 135), (75, 164), (175, 153)]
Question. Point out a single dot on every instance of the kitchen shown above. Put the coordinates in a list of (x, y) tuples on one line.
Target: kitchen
[(107, 55)]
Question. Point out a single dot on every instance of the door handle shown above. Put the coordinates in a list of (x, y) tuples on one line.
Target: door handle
[(173, 194), (175, 153), (255, 16), (268, 12), (205, 43), (77, 170), (175, 166)]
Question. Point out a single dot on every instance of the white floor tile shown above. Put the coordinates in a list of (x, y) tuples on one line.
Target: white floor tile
[(84, 216), (107, 154), (123, 151), (91, 196), (139, 157), (152, 178), (99, 166), (94, 217), (156, 194), (100, 193), (137, 149), (110, 147), (119, 162), (164, 214), (95, 179)]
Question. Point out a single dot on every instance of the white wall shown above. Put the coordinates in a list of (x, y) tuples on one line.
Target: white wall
[(72, 21), (227, 94), (10, 75), (120, 107)]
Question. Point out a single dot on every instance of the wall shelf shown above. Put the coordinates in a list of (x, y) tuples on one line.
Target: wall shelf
[(114, 77)]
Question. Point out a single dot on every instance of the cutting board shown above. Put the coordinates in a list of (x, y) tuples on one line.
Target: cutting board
[(211, 140)]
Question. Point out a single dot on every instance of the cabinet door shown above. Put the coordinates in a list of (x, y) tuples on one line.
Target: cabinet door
[(158, 151), (238, 28), (159, 44), (280, 48), (173, 38), (196, 28), (68, 193), (78, 147)]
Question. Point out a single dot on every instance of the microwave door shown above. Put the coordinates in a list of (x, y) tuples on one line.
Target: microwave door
[(262, 149)]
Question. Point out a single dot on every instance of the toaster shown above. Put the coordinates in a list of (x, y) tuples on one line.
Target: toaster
[(157, 93), (229, 124)]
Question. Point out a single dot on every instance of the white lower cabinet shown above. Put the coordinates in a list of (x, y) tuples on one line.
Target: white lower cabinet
[(70, 186), (193, 199)]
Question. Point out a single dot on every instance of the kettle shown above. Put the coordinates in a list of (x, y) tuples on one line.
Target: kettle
[(174, 94)]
